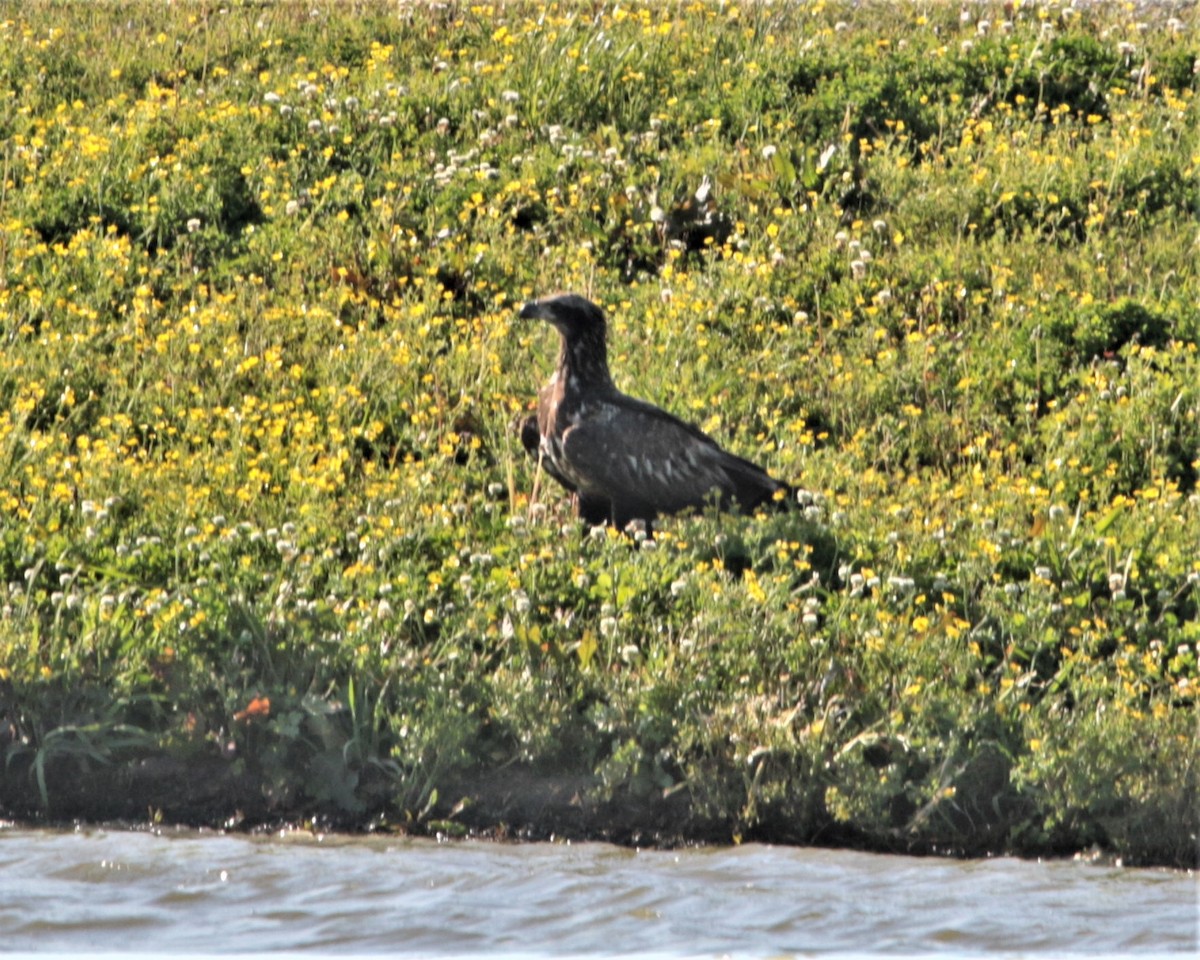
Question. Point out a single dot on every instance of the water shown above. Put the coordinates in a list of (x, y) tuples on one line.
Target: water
[(99, 891)]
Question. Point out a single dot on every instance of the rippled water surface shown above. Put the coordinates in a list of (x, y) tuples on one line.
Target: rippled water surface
[(186, 892)]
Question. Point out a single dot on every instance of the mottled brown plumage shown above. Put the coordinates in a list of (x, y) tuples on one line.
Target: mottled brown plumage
[(624, 459)]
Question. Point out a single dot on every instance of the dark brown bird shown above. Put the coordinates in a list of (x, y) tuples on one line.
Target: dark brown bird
[(624, 459)]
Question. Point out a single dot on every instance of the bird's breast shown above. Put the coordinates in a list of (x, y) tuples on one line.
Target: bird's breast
[(553, 452)]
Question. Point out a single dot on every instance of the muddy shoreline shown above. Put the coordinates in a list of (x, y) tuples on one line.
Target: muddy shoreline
[(512, 804)]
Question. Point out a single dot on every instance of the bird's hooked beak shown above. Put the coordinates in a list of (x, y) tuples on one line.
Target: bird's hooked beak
[(541, 310), (533, 310)]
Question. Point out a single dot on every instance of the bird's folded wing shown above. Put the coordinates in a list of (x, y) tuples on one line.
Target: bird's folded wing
[(648, 462)]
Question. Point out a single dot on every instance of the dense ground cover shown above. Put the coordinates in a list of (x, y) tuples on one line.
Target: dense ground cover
[(267, 542)]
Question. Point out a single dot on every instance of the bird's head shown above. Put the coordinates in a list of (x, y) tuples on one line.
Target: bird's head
[(575, 317), (580, 323)]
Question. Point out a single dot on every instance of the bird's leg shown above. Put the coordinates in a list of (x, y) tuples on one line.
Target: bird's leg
[(537, 478)]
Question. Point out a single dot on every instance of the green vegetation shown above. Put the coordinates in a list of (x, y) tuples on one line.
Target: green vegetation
[(268, 543)]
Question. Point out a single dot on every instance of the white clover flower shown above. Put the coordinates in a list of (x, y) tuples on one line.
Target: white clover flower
[(858, 269), (510, 96), (271, 97), (193, 224), (769, 151)]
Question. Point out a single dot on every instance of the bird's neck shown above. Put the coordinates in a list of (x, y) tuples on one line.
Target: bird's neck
[(583, 362)]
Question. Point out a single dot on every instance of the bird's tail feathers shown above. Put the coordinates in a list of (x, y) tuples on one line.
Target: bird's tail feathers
[(754, 488)]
